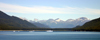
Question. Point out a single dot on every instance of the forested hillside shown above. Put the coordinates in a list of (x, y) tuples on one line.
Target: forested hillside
[(91, 25), (11, 22)]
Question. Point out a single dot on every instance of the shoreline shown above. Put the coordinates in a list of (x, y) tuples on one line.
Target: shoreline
[(47, 30)]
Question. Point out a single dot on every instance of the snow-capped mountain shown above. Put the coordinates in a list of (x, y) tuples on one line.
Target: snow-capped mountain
[(58, 20), (58, 23), (70, 23)]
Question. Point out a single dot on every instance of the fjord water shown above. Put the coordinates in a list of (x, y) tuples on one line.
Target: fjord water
[(43, 35)]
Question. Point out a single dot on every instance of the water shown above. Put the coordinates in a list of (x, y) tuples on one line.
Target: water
[(42, 35)]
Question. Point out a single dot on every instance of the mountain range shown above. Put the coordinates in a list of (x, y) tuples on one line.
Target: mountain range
[(82, 24), (58, 23)]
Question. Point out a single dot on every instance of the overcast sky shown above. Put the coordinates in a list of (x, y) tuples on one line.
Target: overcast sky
[(51, 9)]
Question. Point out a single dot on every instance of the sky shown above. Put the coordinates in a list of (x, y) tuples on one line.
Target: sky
[(51, 9)]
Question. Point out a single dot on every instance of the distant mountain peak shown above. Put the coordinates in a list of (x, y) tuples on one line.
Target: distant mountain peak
[(84, 18), (57, 19)]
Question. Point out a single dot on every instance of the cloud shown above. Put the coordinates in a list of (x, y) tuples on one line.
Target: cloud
[(46, 10)]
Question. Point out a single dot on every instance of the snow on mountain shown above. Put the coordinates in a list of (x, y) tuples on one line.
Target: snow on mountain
[(70, 23), (58, 20)]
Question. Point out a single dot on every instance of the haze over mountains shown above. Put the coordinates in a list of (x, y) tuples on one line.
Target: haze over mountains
[(58, 23)]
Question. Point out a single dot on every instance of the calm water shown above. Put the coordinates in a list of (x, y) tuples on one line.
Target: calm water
[(61, 35)]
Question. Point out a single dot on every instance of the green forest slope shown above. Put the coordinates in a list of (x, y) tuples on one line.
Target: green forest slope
[(12, 22)]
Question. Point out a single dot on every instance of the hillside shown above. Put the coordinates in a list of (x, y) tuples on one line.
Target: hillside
[(91, 25), (11, 22)]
